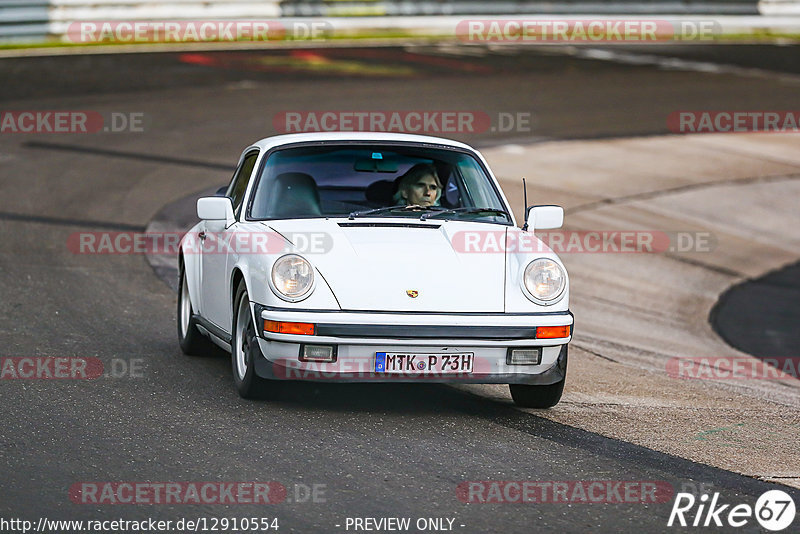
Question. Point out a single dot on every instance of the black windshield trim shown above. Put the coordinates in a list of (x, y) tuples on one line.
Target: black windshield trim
[(466, 210), (388, 225)]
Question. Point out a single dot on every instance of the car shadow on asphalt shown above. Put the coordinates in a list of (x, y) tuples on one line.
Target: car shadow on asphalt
[(415, 398), (436, 402)]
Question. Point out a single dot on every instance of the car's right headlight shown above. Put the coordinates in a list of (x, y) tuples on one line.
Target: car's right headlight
[(292, 277), (544, 280)]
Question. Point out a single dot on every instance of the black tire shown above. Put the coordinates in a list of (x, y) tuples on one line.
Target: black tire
[(529, 396), (192, 342), (248, 383)]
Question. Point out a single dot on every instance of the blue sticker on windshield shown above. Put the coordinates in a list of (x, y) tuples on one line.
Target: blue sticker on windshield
[(380, 362), (377, 155)]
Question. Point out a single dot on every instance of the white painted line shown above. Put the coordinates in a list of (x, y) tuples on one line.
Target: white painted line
[(674, 63)]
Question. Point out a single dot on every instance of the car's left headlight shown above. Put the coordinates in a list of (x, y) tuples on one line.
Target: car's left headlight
[(544, 280), (292, 277)]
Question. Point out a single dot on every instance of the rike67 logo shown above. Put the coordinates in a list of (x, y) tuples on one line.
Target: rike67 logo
[(774, 511)]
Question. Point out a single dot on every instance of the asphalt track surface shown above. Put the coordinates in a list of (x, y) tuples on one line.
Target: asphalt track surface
[(768, 304), (380, 450)]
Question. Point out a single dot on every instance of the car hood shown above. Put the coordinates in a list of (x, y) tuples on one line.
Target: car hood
[(401, 264)]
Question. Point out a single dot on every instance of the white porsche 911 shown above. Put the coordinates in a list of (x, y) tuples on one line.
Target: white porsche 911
[(374, 257)]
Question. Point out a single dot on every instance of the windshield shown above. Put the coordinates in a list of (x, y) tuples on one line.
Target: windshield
[(375, 181)]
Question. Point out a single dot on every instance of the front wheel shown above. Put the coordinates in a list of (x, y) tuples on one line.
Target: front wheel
[(529, 396), (245, 349)]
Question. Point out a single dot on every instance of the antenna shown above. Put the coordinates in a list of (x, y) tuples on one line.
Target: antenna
[(525, 207)]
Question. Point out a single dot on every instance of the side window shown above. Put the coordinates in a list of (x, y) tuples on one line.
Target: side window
[(240, 180)]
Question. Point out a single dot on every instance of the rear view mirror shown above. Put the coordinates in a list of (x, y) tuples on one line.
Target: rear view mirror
[(376, 165), (544, 217), (216, 211)]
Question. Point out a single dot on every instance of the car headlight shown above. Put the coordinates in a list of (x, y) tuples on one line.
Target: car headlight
[(544, 280), (292, 277)]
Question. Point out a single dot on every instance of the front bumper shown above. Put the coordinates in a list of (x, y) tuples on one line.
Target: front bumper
[(358, 336)]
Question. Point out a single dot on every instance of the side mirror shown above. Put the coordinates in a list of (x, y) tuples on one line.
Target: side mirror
[(217, 212), (544, 217)]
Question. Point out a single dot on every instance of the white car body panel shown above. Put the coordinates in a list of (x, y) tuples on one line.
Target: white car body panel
[(213, 275), (371, 268)]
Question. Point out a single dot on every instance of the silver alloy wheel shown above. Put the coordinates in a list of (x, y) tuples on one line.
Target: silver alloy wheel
[(241, 343), (186, 308)]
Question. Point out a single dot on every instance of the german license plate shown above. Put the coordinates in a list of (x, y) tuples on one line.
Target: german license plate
[(401, 363)]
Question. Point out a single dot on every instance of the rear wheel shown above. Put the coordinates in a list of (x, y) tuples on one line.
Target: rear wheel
[(245, 349), (191, 340)]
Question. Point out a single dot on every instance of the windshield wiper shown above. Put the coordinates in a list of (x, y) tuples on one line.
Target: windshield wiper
[(388, 209), (464, 210)]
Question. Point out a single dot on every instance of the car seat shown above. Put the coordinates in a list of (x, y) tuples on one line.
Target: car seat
[(294, 194)]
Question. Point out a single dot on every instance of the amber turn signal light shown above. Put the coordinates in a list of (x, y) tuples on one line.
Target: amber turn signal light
[(551, 332), (280, 327)]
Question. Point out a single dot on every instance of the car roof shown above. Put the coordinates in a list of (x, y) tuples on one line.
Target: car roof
[(377, 137)]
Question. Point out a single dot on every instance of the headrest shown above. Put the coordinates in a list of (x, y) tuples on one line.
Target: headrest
[(295, 194), (381, 192)]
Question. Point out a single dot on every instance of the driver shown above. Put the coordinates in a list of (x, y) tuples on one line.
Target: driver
[(419, 186)]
